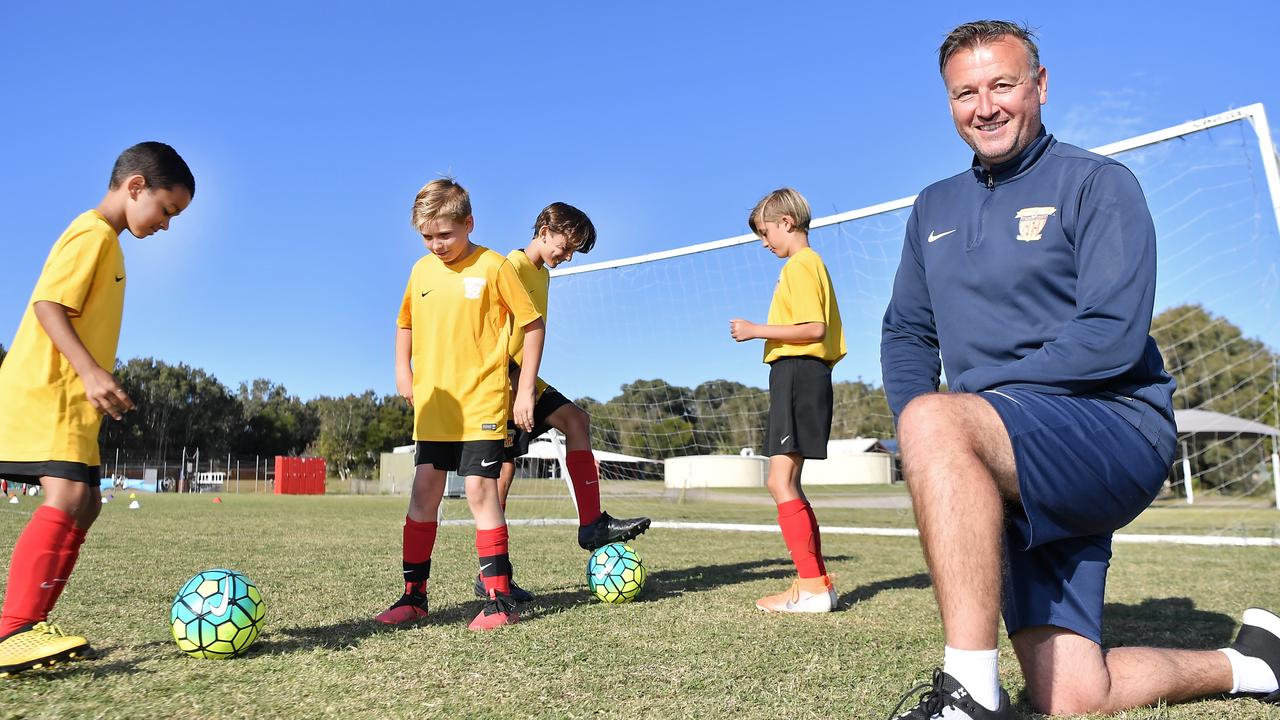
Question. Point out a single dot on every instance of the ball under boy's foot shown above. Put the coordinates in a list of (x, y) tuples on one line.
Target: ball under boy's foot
[(39, 645), (806, 595), (607, 529), (1259, 637), (947, 698), (498, 610), (411, 606), (518, 593)]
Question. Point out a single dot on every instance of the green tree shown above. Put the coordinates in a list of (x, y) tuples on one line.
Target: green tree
[(860, 411), (343, 438), (1218, 369), (730, 416), (176, 406), (274, 422), (392, 425)]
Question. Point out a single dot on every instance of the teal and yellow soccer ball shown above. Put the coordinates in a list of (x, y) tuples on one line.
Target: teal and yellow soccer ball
[(217, 614), (615, 573)]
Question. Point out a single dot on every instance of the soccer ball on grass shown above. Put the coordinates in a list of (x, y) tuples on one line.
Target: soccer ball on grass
[(615, 573), (217, 614)]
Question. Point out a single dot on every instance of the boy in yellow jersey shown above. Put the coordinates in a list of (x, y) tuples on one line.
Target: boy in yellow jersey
[(55, 386), (803, 341), (451, 363), (559, 231)]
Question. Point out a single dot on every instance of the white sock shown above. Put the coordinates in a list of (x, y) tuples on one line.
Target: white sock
[(978, 671), (1250, 674)]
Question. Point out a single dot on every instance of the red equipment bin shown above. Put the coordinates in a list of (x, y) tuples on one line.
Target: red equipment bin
[(299, 476)]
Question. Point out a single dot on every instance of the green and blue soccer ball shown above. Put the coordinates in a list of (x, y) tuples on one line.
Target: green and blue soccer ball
[(217, 614), (615, 573)]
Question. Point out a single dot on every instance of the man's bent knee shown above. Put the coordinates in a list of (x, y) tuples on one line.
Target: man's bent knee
[(1065, 673)]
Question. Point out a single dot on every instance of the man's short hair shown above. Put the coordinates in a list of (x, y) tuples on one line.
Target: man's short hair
[(567, 220), (159, 165), (981, 32), (783, 201), (443, 198)]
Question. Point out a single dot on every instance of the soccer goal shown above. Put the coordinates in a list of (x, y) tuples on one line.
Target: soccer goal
[(646, 342)]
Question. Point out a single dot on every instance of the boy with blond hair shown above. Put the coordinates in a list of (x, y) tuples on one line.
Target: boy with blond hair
[(451, 363), (55, 386), (560, 231), (803, 341)]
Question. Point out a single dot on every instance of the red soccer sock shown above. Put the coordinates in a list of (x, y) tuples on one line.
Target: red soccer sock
[(800, 531), (419, 541), (67, 556), (33, 571), (586, 484), (495, 564)]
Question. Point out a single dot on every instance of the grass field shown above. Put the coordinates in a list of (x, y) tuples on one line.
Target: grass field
[(692, 646)]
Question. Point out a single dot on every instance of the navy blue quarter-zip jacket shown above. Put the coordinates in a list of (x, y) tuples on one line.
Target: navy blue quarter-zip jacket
[(1038, 274)]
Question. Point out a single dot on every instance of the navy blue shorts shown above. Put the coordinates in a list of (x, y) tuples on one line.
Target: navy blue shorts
[(1083, 473)]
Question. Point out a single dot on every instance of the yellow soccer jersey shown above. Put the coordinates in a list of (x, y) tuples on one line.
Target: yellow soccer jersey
[(461, 316), (803, 295), (537, 281), (44, 412)]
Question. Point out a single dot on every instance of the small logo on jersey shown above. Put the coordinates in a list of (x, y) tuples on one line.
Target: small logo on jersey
[(1031, 222), (472, 287), (488, 463), (487, 427), (784, 439), (119, 278), (427, 292), (936, 236)]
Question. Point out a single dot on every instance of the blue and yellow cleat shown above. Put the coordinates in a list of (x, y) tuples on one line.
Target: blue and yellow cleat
[(39, 645)]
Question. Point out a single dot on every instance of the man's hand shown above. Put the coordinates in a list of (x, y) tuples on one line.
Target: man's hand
[(105, 394), (742, 330)]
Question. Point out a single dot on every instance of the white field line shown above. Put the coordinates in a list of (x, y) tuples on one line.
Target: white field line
[(1129, 538)]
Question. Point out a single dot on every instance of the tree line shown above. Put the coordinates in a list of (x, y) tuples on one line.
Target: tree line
[(1216, 367)]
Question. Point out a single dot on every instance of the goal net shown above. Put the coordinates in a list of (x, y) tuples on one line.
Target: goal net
[(643, 343)]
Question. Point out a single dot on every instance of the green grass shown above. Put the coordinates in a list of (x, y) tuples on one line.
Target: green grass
[(691, 646)]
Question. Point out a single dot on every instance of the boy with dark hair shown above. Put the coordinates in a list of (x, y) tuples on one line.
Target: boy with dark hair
[(451, 363), (559, 231), (803, 341), (55, 387)]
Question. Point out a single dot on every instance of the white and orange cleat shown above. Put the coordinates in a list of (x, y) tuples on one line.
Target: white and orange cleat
[(806, 595)]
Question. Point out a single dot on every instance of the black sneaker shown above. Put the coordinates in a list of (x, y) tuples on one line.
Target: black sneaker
[(518, 593), (608, 529), (946, 693), (1259, 637)]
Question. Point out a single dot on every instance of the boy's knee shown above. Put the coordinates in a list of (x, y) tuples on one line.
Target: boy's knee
[(90, 510), (779, 483), (577, 422)]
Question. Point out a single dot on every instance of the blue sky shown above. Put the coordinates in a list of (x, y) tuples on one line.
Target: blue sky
[(311, 126)]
